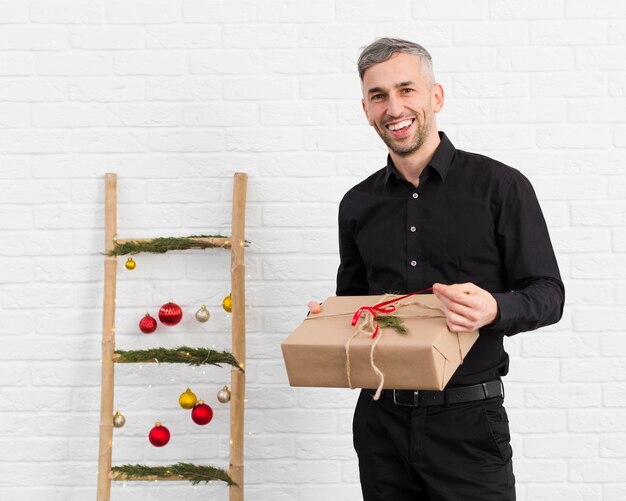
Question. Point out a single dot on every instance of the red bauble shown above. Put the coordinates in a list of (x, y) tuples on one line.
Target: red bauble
[(170, 313), (147, 324), (159, 435), (201, 413)]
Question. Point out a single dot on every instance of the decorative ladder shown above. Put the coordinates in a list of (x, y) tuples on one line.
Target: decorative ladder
[(236, 244)]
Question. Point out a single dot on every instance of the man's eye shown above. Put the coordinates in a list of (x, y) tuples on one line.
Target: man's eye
[(377, 97), (407, 91)]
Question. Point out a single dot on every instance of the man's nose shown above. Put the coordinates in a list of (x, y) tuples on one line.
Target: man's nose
[(394, 107)]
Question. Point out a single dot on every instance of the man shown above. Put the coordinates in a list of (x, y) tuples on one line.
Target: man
[(471, 228)]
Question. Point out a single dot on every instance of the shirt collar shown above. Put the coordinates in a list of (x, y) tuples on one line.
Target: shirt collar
[(440, 162)]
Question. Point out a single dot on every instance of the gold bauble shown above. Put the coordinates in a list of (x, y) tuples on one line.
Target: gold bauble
[(223, 396), (119, 420), (202, 315), (187, 399), (130, 264), (227, 304)]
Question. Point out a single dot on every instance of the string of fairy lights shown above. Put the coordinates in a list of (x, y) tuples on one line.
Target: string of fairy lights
[(187, 399)]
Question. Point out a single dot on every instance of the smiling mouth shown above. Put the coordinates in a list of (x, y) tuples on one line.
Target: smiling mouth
[(400, 126)]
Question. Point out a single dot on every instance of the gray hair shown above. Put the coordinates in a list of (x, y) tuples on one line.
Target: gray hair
[(383, 48)]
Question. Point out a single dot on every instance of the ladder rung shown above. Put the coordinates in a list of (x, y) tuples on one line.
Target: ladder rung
[(116, 475), (181, 355), (223, 242), (176, 472)]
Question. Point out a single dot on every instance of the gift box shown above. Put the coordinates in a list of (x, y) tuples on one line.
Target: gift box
[(327, 350)]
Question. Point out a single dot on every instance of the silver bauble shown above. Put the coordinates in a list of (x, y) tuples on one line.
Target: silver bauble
[(202, 315), (223, 396)]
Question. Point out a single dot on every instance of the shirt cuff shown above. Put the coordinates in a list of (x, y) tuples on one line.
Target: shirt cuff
[(507, 313)]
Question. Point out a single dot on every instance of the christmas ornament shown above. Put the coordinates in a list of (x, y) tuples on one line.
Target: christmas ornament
[(202, 315), (227, 304), (187, 399), (130, 264), (223, 396), (170, 313), (201, 413), (159, 435), (147, 324), (118, 419)]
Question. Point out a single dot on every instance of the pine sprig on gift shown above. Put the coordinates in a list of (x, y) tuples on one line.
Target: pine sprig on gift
[(164, 244), (392, 322), (180, 355), (185, 471)]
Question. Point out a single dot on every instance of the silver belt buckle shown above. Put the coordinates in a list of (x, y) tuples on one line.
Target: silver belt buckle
[(415, 401)]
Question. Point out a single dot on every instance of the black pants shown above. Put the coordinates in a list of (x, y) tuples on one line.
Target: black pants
[(437, 453)]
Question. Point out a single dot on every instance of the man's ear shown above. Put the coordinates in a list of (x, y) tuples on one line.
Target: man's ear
[(365, 111), (438, 97)]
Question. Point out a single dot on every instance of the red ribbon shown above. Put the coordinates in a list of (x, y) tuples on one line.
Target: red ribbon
[(384, 307)]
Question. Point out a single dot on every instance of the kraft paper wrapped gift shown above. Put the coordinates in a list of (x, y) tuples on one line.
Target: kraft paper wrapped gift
[(319, 351)]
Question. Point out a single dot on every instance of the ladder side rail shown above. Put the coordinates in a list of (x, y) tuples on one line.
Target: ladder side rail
[(237, 401), (108, 341)]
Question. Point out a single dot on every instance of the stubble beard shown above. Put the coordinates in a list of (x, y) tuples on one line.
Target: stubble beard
[(409, 147)]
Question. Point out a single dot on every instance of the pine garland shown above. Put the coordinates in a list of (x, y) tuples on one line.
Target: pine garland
[(180, 355), (186, 471), (392, 322), (164, 244)]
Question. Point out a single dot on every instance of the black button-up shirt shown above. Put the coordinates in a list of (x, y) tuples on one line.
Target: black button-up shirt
[(471, 219)]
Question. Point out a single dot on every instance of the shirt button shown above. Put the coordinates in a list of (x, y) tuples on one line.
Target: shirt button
[(413, 263), (415, 195), (413, 228)]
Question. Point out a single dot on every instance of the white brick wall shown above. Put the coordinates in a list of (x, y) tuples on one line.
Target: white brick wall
[(175, 96)]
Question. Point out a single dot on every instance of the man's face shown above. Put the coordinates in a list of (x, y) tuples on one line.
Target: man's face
[(400, 101)]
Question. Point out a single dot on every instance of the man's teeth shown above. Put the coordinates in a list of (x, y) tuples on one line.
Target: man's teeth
[(400, 125)]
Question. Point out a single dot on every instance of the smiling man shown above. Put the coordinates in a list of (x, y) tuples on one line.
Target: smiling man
[(471, 228)]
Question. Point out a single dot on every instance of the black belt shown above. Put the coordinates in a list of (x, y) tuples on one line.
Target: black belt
[(448, 396)]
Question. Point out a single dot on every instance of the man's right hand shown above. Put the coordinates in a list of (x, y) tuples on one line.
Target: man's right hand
[(314, 306)]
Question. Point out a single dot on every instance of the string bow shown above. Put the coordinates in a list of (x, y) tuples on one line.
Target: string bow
[(383, 307)]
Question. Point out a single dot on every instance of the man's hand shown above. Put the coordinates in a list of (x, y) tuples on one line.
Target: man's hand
[(314, 306), (467, 306)]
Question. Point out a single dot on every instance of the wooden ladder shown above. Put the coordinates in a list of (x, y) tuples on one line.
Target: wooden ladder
[(236, 244)]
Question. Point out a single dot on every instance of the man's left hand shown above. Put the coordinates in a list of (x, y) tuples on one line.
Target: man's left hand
[(467, 306)]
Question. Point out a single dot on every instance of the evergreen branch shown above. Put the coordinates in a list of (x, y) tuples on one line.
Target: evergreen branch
[(392, 322), (164, 244), (180, 355), (185, 471)]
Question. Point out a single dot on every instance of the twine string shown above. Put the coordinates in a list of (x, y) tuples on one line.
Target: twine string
[(366, 322)]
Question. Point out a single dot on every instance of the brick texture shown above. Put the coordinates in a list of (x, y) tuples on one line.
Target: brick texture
[(175, 96)]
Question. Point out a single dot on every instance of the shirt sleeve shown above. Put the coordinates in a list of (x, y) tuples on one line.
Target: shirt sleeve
[(537, 295), (352, 275)]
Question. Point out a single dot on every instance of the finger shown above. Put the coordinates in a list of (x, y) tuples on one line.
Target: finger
[(467, 311), (465, 297), (314, 306), (458, 323), (454, 291)]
